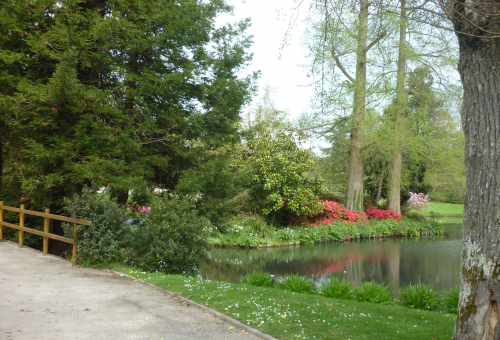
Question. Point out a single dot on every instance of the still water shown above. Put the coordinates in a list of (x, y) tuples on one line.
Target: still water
[(397, 262)]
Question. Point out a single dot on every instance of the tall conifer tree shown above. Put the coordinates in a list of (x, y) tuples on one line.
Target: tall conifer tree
[(115, 93)]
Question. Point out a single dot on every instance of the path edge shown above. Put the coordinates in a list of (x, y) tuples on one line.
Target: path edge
[(224, 317), (220, 315)]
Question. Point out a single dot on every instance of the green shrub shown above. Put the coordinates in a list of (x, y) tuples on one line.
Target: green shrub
[(373, 292), (100, 242), (451, 298), (255, 224), (339, 289), (433, 214), (296, 283), (435, 227), (419, 296), (416, 216), (173, 239), (259, 279)]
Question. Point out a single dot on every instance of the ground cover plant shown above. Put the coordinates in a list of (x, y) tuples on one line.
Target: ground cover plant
[(296, 283), (450, 300), (288, 315), (372, 291), (339, 289), (238, 235), (259, 279), (420, 296)]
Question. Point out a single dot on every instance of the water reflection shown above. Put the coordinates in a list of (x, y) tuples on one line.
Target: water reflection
[(397, 262)]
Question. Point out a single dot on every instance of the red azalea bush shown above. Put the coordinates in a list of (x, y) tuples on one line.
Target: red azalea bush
[(332, 212), (379, 214)]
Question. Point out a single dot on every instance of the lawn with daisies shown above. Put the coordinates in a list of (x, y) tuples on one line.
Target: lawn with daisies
[(287, 315)]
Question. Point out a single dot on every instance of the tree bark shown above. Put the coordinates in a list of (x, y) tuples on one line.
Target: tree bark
[(380, 182), (396, 163), (479, 68), (480, 282), (354, 195)]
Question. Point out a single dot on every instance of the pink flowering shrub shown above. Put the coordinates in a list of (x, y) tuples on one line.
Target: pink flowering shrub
[(418, 201), (375, 213), (143, 210), (332, 212)]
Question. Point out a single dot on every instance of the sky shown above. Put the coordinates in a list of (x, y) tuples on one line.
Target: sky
[(280, 67)]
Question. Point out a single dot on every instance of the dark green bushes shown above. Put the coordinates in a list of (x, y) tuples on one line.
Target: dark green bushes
[(169, 237), (101, 241), (173, 238)]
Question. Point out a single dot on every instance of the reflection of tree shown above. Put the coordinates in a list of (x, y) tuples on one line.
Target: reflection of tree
[(393, 261), (436, 263)]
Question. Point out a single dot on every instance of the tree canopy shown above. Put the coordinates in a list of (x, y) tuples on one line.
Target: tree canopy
[(114, 93)]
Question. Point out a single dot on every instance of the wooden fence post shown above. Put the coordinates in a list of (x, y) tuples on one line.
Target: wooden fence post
[(46, 222), (21, 224), (1, 220), (75, 235)]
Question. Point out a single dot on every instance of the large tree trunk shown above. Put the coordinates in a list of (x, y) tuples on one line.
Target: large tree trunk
[(479, 68), (354, 196), (480, 281), (396, 163)]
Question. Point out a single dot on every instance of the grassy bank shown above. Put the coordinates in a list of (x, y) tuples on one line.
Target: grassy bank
[(451, 220), (287, 315), (242, 236), (442, 209)]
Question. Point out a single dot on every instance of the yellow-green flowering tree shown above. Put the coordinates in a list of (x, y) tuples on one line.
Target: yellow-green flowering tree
[(280, 168)]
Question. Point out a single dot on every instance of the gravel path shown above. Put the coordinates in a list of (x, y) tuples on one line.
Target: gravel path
[(44, 297)]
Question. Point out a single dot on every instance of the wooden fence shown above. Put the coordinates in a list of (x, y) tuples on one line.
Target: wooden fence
[(45, 233)]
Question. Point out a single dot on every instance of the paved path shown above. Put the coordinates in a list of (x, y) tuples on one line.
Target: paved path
[(44, 297)]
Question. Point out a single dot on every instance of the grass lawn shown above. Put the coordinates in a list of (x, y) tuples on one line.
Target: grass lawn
[(287, 315), (451, 220), (443, 209)]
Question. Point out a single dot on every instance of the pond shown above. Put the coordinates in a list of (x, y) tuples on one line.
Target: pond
[(395, 261)]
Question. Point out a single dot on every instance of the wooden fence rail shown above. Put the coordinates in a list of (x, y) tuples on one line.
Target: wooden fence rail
[(45, 233)]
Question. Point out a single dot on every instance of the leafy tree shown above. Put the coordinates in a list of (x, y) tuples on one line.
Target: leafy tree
[(134, 94), (335, 50), (344, 36), (280, 169)]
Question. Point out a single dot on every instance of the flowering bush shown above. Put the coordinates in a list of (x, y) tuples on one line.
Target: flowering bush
[(418, 201), (379, 214), (143, 210), (333, 212)]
